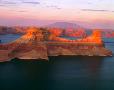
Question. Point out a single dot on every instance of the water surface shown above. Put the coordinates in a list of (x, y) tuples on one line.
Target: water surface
[(59, 73)]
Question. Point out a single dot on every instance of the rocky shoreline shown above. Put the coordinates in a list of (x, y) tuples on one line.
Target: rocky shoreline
[(43, 50)]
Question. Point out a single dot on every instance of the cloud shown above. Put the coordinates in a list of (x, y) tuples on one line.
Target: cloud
[(7, 2), (95, 10), (54, 6), (89, 3), (2, 5), (31, 2), (15, 2), (22, 11)]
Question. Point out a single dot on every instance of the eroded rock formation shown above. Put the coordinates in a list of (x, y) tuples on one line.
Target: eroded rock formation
[(29, 46), (32, 46)]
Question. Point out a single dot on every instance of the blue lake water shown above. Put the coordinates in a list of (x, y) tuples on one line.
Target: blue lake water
[(8, 37), (59, 73)]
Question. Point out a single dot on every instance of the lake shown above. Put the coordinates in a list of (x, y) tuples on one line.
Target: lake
[(59, 73)]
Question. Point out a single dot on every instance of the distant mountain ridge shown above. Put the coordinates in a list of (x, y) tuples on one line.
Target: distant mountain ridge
[(64, 25)]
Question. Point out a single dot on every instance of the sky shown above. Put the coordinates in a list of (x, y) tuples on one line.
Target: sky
[(91, 13)]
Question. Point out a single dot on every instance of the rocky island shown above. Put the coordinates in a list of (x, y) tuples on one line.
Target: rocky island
[(36, 44)]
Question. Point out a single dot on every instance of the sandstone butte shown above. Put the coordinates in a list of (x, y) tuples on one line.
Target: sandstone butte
[(32, 46)]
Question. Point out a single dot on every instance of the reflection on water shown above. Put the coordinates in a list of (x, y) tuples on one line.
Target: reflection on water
[(75, 73), (60, 73)]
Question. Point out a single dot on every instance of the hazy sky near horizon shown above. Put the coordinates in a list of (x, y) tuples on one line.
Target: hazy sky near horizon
[(99, 12)]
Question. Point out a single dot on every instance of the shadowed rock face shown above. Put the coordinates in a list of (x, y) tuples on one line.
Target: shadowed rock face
[(32, 46), (56, 49)]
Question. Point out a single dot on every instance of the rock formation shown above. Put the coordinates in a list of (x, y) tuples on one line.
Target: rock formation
[(32, 46), (95, 37), (29, 46)]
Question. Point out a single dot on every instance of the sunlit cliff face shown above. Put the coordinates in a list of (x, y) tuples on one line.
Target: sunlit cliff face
[(95, 37), (33, 35), (97, 34), (55, 31), (30, 32)]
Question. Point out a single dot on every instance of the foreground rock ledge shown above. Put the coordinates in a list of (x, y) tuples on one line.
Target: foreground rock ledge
[(43, 50)]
